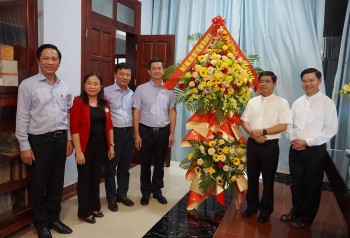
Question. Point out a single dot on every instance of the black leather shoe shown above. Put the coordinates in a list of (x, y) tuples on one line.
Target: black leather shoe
[(263, 217), (44, 233), (60, 227), (113, 206), (90, 219), (98, 214), (126, 201), (248, 212), (144, 200), (161, 199)]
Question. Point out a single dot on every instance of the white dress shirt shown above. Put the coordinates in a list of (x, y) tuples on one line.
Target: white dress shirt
[(265, 112), (314, 119)]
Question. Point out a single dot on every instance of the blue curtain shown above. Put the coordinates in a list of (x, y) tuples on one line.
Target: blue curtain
[(287, 35), (342, 140)]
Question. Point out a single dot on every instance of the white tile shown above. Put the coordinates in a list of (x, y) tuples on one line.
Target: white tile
[(127, 221)]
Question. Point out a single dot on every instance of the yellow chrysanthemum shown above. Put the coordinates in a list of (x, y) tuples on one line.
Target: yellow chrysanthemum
[(217, 76), (224, 47), (188, 75), (231, 91), (240, 150), (190, 156), (213, 56), (212, 143), (210, 170), (209, 84), (233, 178)]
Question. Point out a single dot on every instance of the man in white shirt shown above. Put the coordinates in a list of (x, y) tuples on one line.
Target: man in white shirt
[(264, 118), (315, 122)]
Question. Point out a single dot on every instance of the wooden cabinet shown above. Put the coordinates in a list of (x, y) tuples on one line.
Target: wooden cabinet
[(18, 33)]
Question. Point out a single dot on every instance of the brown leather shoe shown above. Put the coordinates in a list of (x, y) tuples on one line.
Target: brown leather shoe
[(126, 201)]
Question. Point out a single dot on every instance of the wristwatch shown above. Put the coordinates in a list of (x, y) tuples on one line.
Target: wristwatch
[(264, 132)]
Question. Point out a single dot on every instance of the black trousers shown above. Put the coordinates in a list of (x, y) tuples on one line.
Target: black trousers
[(89, 175), (124, 148), (153, 150), (261, 158), (47, 175), (307, 170)]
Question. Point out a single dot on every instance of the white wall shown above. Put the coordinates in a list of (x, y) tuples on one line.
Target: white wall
[(59, 23)]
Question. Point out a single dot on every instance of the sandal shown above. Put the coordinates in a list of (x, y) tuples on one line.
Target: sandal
[(288, 217), (300, 224)]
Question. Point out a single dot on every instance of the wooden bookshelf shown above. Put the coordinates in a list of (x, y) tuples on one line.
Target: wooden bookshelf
[(18, 31)]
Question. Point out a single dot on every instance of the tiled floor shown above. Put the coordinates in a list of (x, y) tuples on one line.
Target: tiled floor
[(211, 219)]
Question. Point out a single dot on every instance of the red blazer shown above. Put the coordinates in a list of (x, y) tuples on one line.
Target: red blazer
[(80, 121)]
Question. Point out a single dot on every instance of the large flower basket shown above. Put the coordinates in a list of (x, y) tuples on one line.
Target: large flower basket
[(215, 82)]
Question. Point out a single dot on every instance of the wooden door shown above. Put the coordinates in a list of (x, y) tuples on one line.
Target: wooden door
[(99, 49), (152, 46)]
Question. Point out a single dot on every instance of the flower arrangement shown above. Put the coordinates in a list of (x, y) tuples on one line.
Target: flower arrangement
[(218, 79), (218, 161), (345, 90)]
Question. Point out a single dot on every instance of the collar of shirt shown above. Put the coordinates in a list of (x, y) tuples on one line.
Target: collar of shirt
[(116, 87), (41, 77), (313, 97), (155, 86)]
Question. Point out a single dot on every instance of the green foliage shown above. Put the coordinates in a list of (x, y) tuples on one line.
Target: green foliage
[(193, 38), (206, 184), (185, 164)]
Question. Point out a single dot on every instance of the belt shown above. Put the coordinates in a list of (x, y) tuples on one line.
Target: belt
[(154, 129), (54, 134), (128, 128), (266, 142)]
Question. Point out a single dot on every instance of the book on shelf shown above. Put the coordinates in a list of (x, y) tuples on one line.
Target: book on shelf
[(5, 203), (5, 171)]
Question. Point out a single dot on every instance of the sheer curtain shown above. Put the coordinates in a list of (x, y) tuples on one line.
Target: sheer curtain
[(342, 140), (183, 18), (287, 36)]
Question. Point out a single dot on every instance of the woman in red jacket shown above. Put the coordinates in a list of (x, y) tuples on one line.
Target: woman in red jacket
[(92, 135)]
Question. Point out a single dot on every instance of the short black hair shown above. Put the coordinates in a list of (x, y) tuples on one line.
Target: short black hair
[(268, 73), (121, 66), (311, 70), (153, 60), (48, 46)]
